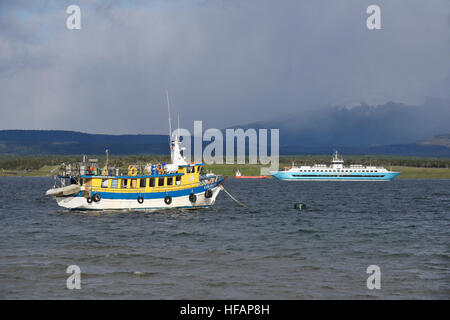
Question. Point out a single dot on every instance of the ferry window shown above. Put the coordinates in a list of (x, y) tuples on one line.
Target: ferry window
[(105, 183), (133, 183), (124, 183), (160, 182), (142, 183), (170, 181), (114, 183), (151, 182), (178, 180)]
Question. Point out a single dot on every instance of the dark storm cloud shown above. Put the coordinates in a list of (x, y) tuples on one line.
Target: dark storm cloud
[(224, 62)]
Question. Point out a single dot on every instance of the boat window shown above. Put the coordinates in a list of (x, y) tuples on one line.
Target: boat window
[(151, 182), (105, 183), (124, 183), (161, 182), (114, 183), (189, 169), (169, 181), (133, 183), (142, 183), (178, 180)]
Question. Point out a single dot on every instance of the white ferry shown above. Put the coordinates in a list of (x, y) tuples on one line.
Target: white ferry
[(335, 172)]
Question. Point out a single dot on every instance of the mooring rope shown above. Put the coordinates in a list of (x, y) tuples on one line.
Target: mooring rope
[(233, 198)]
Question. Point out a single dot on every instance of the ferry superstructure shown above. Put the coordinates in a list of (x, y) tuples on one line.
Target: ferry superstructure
[(335, 172)]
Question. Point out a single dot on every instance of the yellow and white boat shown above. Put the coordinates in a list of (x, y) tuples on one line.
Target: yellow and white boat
[(174, 185)]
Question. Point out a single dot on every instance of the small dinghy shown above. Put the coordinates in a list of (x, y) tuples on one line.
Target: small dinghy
[(64, 191)]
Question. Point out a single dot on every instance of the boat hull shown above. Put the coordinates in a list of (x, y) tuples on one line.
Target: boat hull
[(151, 201), (295, 176)]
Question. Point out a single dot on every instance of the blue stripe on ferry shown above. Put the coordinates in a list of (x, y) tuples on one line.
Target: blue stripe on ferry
[(333, 176)]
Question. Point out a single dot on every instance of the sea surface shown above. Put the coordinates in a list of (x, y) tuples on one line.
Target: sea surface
[(269, 251)]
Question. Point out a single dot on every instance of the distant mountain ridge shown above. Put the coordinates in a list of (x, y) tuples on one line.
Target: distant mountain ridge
[(390, 129), (440, 140), (59, 142), (48, 142), (361, 126)]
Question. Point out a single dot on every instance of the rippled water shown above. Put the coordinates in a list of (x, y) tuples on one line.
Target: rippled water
[(270, 251)]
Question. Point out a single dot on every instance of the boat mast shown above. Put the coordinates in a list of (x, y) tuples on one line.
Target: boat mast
[(170, 120)]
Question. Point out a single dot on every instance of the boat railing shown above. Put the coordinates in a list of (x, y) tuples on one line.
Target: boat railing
[(152, 189)]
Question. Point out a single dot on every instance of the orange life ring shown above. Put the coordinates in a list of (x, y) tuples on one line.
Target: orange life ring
[(159, 168), (132, 171)]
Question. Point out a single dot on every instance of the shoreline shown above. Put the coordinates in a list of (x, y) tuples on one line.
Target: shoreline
[(253, 170)]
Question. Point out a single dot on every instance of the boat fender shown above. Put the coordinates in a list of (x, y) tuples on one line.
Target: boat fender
[(192, 198), (96, 197), (208, 193), (140, 199), (168, 200), (89, 200)]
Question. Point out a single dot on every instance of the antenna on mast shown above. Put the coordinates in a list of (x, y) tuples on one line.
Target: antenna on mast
[(170, 120)]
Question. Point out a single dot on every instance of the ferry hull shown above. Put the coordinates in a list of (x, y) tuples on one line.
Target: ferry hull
[(295, 176), (152, 201)]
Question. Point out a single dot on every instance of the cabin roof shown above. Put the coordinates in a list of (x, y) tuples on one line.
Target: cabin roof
[(128, 177), (191, 165)]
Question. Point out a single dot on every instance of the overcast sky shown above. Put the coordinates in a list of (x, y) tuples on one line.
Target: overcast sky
[(224, 62)]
